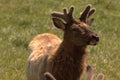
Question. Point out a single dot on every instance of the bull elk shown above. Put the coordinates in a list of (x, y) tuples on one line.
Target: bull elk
[(64, 59)]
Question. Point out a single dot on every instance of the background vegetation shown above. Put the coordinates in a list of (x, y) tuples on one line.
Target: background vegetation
[(21, 20)]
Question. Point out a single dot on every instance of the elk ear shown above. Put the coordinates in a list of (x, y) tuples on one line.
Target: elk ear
[(59, 23), (90, 21)]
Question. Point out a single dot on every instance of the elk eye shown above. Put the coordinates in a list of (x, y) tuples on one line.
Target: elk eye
[(78, 30)]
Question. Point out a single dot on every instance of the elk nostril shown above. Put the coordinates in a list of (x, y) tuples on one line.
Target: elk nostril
[(95, 37)]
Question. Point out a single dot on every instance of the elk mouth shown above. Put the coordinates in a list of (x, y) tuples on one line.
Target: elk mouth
[(93, 42)]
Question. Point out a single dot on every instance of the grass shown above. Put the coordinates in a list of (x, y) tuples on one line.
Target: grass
[(21, 20)]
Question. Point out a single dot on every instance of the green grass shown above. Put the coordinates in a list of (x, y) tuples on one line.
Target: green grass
[(21, 20)]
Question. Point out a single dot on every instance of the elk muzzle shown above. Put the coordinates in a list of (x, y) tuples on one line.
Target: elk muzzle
[(94, 39)]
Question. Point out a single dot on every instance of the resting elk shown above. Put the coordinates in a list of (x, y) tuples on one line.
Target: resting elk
[(64, 59), (90, 72)]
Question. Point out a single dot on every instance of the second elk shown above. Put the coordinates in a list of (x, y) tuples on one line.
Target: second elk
[(90, 72)]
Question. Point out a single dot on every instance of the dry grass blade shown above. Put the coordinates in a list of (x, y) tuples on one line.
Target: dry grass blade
[(100, 76), (49, 76)]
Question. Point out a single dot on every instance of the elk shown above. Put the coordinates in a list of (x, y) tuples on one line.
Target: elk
[(64, 59), (89, 74)]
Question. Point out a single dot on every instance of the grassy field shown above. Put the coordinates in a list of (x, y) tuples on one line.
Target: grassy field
[(21, 20)]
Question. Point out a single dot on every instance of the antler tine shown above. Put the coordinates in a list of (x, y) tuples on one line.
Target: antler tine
[(71, 12), (65, 11), (57, 14), (85, 13), (66, 16), (91, 12)]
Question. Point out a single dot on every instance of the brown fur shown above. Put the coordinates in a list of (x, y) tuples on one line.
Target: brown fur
[(43, 41), (65, 60), (40, 47)]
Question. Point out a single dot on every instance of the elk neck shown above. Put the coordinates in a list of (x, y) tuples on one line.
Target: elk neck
[(69, 61), (77, 53)]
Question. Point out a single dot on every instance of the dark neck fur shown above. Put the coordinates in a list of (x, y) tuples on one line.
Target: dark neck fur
[(73, 50), (68, 63)]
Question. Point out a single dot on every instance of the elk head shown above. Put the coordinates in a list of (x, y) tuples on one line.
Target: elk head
[(78, 31)]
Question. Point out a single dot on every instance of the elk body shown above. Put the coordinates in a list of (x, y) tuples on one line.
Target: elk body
[(65, 59)]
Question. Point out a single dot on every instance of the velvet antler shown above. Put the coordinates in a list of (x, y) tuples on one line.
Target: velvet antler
[(86, 14), (66, 16)]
